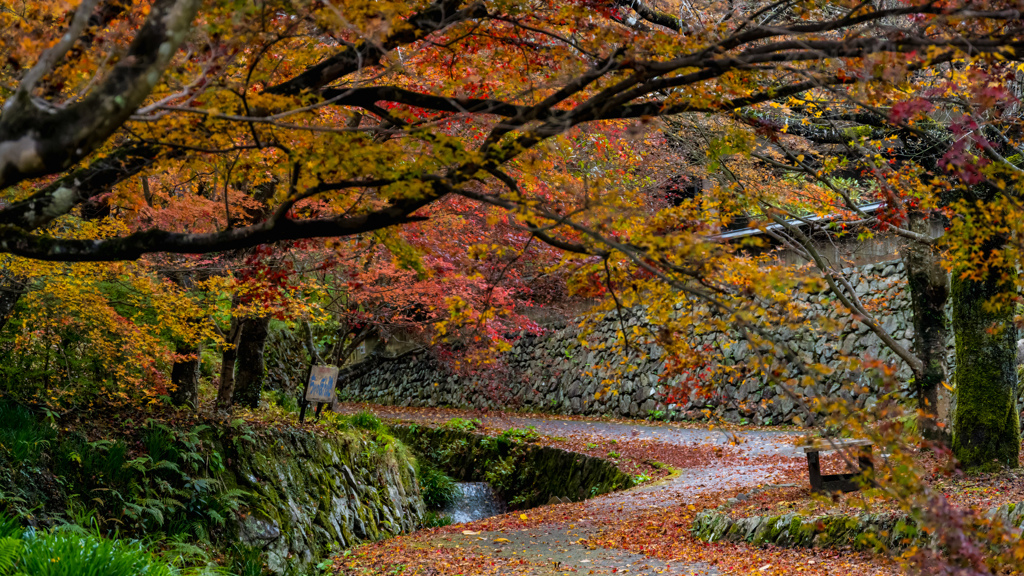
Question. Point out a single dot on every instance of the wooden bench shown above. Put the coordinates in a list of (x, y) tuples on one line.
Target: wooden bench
[(838, 482)]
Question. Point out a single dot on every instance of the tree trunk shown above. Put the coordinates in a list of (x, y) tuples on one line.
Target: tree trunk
[(929, 290), (185, 377), (12, 288), (226, 390), (249, 375), (986, 423)]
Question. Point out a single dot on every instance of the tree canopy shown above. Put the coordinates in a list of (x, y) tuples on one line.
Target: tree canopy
[(328, 121)]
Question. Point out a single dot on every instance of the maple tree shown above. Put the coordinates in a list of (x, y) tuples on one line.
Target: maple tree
[(79, 333)]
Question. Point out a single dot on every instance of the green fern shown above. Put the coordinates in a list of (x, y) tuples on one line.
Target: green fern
[(10, 526), (10, 551)]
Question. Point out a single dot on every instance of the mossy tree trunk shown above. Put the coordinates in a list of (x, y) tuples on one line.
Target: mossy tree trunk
[(226, 387), (986, 422), (249, 362), (929, 290)]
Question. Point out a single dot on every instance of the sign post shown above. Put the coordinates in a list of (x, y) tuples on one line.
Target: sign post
[(319, 388)]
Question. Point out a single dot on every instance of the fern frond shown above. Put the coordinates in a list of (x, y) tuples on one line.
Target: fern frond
[(10, 551)]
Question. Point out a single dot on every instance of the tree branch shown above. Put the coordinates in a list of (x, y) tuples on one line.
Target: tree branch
[(36, 142), (17, 241), (436, 16), (54, 54), (848, 297), (81, 185)]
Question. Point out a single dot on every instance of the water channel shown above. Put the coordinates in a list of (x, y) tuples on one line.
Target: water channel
[(478, 501)]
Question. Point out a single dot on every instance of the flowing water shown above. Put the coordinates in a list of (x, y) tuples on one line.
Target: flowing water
[(478, 501)]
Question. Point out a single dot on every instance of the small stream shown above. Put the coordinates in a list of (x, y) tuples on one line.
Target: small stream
[(478, 501)]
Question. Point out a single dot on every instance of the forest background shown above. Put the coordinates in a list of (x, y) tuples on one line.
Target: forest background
[(185, 181)]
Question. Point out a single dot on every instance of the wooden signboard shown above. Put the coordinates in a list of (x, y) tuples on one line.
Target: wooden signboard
[(321, 384)]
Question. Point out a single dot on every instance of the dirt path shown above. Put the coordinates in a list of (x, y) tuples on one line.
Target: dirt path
[(563, 539)]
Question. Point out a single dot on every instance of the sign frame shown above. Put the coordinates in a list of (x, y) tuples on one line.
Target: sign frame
[(321, 387)]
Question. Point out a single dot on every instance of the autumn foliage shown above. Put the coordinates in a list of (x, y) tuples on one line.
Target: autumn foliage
[(183, 181)]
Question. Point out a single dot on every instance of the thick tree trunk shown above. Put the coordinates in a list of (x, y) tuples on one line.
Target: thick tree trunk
[(185, 371), (185, 377), (986, 422), (226, 389), (249, 375), (929, 290)]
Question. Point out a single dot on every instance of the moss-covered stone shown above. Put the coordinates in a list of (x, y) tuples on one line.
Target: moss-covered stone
[(323, 493), (860, 531)]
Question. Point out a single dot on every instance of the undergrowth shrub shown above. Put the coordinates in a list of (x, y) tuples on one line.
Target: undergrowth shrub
[(22, 434), (284, 400), (368, 421), (438, 489), (501, 473), (172, 486), (463, 424), (167, 482)]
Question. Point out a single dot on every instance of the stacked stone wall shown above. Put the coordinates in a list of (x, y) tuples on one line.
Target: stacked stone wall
[(555, 373), (310, 495)]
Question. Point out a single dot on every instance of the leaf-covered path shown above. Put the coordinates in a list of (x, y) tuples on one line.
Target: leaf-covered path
[(642, 531)]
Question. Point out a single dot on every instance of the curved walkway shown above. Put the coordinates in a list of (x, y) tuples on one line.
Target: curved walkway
[(562, 545)]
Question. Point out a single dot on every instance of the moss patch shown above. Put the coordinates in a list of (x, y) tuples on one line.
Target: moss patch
[(986, 424)]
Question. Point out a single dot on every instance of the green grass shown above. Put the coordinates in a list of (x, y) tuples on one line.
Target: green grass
[(462, 424), (67, 554), (528, 434)]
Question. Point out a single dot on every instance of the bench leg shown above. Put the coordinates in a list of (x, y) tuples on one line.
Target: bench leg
[(814, 470), (867, 466)]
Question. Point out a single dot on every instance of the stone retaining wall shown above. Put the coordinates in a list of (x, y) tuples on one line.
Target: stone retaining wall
[(310, 495), (893, 530), (555, 373)]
